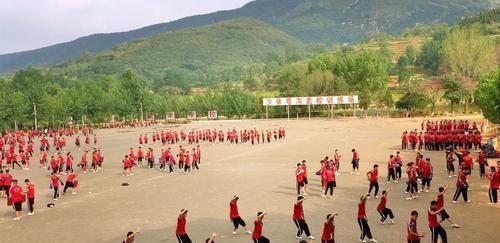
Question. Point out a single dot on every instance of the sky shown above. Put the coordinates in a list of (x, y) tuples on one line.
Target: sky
[(31, 24)]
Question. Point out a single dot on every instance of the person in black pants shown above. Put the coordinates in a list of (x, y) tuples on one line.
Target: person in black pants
[(298, 219), (462, 186), (363, 222), (383, 210), (436, 229), (494, 178)]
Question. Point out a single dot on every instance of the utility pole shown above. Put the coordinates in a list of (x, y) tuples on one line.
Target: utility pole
[(34, 111), (142, 113)]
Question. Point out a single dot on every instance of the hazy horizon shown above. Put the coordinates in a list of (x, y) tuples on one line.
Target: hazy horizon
[(48, 22)]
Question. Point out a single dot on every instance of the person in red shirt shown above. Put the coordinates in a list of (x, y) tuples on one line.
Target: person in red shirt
[(150, 158), (83, 162), (337, 156), (54, 183), (467, 162), (7, 181), (436, 229), (399, 164), (30, 191), (299, 176), (481, 160), (126, 166), (427, 173), (328, 235), (306, 181), (412, 186), (383, 210), (71, 182), (363, 221), (329, 177), (355, 162), (391, 169), (180, 231), (17, 196), (257, 236), (195, 160), (235, 216), (494, 177), (372, 176), (411, 227), (462, 186), (140, 156), (440, 200), (299, 220), (187, 163)]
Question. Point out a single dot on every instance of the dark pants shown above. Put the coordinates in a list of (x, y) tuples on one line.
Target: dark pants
[(56, 192), (372, 185), (461, 190), (391, 173), (329, 186), (195, 165), (481, 170), (151, 163), (384, 213), (237, 222), (302, 227), (493, 193), (398, 172), (183, 238), (365, 229), (436, 232), (261, 239), (68, 185), (31, 202)]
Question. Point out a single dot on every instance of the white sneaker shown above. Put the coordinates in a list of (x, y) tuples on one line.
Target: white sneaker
[(55, 199), (73, 193), (409, 198), (491, 203), (357, 173), (311, 237), (376, 197), (396, 181), (388, 182), (16, 218), (381, 222), (426, 190), (469, 201), (249, 232), (234, 232), (373, 240), (323, 195), (298, 237), (392, 221), (29, 214), (449, 176), (455, 226), (364, 241), (331, 197), (454, 201), (406, 192), (368, 197)]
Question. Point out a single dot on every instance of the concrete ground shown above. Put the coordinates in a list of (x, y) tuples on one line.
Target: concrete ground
[(263, 176)]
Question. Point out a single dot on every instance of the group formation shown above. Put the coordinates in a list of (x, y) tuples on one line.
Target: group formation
[(212, 136), (16, 148), (442, 135)]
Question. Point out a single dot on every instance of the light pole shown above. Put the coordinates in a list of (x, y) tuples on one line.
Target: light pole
[(142, 113), (34, 111)]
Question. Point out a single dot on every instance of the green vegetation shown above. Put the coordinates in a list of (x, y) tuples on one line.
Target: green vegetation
[(312, 21), (231, 66)]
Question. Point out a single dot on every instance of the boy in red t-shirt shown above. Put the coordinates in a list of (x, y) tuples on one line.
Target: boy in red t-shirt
[(257, 236), (30, 191), (16, 196), (235, 216), (411, 227), (383, 210), (180, 231), (328, 235)]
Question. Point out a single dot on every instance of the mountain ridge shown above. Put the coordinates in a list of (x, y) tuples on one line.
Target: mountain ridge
[(325, 21)]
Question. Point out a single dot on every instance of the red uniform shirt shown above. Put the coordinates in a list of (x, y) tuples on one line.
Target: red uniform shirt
[(328, 230), (298, 211), (181, 226), (233, 210), (7, 179), (55, 180), (373, 176), (427, 171), (432, 218), (257, 229), (16, 193), (299, 174), (71, 177), (31, 191), (382, 203), (361, 211), (412, 227), (440, 201)]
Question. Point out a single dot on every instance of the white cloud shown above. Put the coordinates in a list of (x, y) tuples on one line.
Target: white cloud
[(30, 24)]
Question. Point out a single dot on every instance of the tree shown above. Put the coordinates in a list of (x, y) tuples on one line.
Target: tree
[(411, 53), (402, 68), (317, 83), (487, 96), (453, 91), (468, 54), (414, 97), (430, 56), (289, 78)]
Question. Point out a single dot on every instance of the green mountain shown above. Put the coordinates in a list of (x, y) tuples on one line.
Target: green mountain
[(189, 54), (326, 21)]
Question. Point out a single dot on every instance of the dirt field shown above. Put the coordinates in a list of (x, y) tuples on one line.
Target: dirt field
[(263, 176)]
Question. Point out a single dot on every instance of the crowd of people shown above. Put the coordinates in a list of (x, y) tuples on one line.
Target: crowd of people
[(442, 135), (17, 150), (253, 136)]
